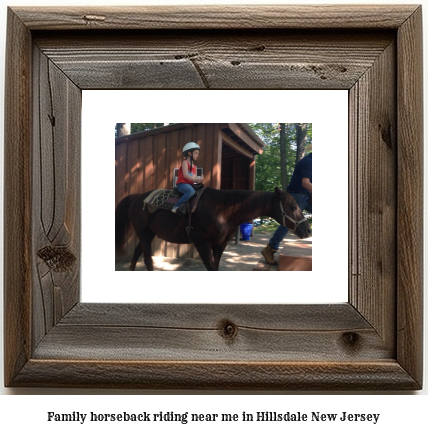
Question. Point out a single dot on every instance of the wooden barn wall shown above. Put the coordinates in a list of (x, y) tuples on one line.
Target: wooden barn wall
[(147, 163)]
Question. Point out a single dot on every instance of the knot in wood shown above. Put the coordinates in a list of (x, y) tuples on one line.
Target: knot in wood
[(228, 330), (58, 259), (351, 340), (386, 134)]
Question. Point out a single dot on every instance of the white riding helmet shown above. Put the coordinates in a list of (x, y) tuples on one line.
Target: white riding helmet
[(191, 146)]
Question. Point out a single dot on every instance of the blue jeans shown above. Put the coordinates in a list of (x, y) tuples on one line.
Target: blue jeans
[(303, 203), (187, 191)]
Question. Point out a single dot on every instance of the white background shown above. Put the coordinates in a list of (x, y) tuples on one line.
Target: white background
[(327, 283), (400, 413)]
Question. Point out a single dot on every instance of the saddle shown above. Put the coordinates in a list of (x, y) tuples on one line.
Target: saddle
[(167, 199)]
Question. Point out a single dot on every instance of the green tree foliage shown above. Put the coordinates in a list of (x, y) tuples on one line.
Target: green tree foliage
[(137, 128), (268, 164), (309, 137)]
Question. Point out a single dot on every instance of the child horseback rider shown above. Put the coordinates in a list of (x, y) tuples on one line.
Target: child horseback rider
[(187, 174)]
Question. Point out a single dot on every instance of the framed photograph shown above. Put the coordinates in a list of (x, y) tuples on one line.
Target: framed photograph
[(134, 173), (372, 341)]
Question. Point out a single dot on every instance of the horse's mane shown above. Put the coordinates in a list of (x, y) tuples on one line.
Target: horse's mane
[(248, 200)]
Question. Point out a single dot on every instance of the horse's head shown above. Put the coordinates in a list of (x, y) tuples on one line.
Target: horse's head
[(289, 214)]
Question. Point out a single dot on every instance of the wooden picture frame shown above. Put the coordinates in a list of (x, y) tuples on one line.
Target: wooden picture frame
[(372, 342)]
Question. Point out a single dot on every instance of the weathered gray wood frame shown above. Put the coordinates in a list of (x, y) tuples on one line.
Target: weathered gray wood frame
[(372, 342)]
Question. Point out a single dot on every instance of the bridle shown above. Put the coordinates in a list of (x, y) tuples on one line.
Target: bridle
[(285, 215)]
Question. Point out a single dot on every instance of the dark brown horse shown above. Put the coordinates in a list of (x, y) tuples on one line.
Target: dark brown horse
[(218, 214)]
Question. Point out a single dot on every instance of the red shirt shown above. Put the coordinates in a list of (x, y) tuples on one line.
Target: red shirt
[(181, 179)]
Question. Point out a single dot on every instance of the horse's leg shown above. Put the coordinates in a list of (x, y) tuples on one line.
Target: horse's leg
[(146, 246), (218, 252), (137, 253), (205, 251), (145, 235)]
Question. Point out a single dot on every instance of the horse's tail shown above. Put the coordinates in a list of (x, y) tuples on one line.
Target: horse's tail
[(122, 222)]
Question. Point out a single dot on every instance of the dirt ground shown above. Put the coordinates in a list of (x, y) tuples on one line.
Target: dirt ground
[(241, 257)]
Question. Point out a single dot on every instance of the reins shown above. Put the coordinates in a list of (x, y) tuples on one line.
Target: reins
[(285, 215)]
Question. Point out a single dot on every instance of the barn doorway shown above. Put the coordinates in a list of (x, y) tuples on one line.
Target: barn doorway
[(235, 170), (238, 158)]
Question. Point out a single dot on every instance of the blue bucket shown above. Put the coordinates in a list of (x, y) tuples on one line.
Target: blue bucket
[(246, 229)]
